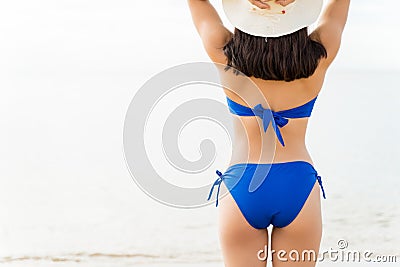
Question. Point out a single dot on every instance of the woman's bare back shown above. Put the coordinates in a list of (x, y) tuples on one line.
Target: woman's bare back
[(252, 144)]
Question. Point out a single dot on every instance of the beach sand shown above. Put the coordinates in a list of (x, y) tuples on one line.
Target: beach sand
[(126, 264)]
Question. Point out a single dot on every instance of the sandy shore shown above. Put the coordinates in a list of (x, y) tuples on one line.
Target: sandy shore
[(125, 264)]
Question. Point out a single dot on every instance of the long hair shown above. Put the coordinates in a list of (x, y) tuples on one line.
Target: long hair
[(286, 58)]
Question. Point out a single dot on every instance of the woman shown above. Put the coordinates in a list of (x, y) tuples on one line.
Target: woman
[(289, 70)]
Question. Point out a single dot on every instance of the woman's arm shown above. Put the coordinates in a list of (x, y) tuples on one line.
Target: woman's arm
[(210, 28), (331, 25)]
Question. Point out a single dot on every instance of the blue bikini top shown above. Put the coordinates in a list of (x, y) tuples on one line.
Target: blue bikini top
[(278, 119)]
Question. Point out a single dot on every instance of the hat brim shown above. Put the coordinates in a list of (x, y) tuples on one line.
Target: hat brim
[(276, 22)]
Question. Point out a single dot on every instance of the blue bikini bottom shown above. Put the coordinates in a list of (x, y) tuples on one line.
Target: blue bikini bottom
[(269, 193)]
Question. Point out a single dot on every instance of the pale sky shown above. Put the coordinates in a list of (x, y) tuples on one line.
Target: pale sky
[(51, 36)]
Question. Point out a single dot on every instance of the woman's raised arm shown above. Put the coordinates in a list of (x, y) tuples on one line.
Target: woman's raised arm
[(331, 25), (209, 25)]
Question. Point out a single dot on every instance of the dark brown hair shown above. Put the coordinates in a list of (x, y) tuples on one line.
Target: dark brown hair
[(285, 58)]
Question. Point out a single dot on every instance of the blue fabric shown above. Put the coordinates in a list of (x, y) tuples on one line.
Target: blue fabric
[(278, 119), (281, 196)]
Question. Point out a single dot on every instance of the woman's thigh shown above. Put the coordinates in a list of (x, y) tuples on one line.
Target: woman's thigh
[(298, 243), (242, 245)]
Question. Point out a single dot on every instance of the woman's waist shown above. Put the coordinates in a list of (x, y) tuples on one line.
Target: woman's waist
[(269, 153)]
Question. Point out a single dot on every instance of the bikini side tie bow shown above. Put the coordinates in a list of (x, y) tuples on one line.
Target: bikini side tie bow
[(218, 184)]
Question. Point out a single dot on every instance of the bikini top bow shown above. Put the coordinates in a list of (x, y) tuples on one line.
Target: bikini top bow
[(268, 117), (278, 119)]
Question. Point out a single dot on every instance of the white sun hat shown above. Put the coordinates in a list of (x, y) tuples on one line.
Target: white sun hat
[(274, 22)]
